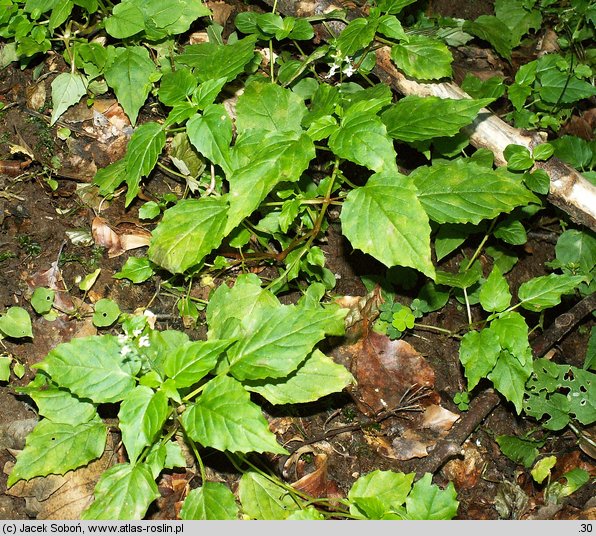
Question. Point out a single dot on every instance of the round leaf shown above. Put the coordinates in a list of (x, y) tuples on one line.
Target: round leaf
[(106, 313)]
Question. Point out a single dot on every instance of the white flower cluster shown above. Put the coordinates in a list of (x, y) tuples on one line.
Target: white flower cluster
[(341, 63), (131, 342)]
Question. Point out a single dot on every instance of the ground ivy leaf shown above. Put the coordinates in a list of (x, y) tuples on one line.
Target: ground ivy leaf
[(387, 489), (462, 192), (213, 60), (423, 58), (478, 353), (224, 418), (143, 150), (236, 311), (416, 118), (187, 232), (193, 361), (142, 415), (61, 406), (362, 138), (211, 134), (269, 107), (385, 219), (212, 501), (280, 342), (16, 323), (91, 367), (278, 157), (55, 448), (123, 492), (494, 294), (316, 377), (546, 291), (428, 501), (130, 75), (509, 378), (67, 89), (126, 20), (263, 499)]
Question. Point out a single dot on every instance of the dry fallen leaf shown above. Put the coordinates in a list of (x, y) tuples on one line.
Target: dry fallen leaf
[(464, 473), (117, 241)]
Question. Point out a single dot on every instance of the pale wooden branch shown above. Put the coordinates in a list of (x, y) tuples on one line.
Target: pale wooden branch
[(569, 190)]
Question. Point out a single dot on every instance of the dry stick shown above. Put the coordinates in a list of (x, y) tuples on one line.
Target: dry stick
[(569, 190), (563, 325)]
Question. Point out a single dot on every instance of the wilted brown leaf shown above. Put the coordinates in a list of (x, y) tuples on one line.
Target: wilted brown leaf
[(118, 240), (464, 473)]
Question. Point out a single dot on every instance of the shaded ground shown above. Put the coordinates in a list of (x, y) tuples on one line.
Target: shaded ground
[(34, 222)]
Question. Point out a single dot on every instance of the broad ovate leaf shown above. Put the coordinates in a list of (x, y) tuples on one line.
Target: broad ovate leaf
[(130, 75), (142, 415), (461, 191), (269, 107), (188, 231), (16, 323), (416, 118), (281, 341), (123, 492), (362, 138), (543, 292), (126, 20), (61, 406), (55, 448), (263, 499), (224, 418), (494, 295), (478, 353), (212, 501), (273, 159), (423, 58), (509, 377), (316, 377), (429, 502), (91, 367), (67, 89), (385, 219)]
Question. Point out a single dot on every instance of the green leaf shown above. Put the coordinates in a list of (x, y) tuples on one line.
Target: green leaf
[(137, 269), (576, 151), (590, 359), (142, 415), (511, 231), (308, 514), (450, 236), (211, 134), (362, 138), (494, 293), (316, 377), (236, 311), (575, 479), (126, 20), (559, 87), (461, 192), (379, 492), (193, 361), (61, 406), (538, 181), (123, 492), (91, 367), (357, 35), (106, 312), (224, 418), (5, 368), (509, 378), (16, 323), (110, 177), (213, 61), (212, 501), (263, 499), (575, 247), (385, 219), (130, 75), (478, 353), (393, 6), (175, 86), (188, 232), (492, 30), (149, 210), (67, 89), (416, 118), (543, 292), (60, 13), (519, 16), (518, 157), (542, 468), (390, 26), (144, 148), (269, 107), (42, 300), (273, 159), (280, 342), (512, 332), (543, 151), (423, 58), (522, 451), (55, 448), (428, 501)]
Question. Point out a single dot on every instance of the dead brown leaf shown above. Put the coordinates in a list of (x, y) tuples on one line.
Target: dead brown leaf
[(120, 239), (317, 483), (464, 473)]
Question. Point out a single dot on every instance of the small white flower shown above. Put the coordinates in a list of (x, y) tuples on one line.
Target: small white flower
[(122, 338), (332, 71), (349, 70), (144, 341), (125, 350), (137, 332)]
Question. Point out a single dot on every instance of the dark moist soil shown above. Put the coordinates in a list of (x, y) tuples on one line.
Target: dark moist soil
[(35, 220)]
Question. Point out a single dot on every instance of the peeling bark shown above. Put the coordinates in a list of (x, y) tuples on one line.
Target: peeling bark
[(569, 190)]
